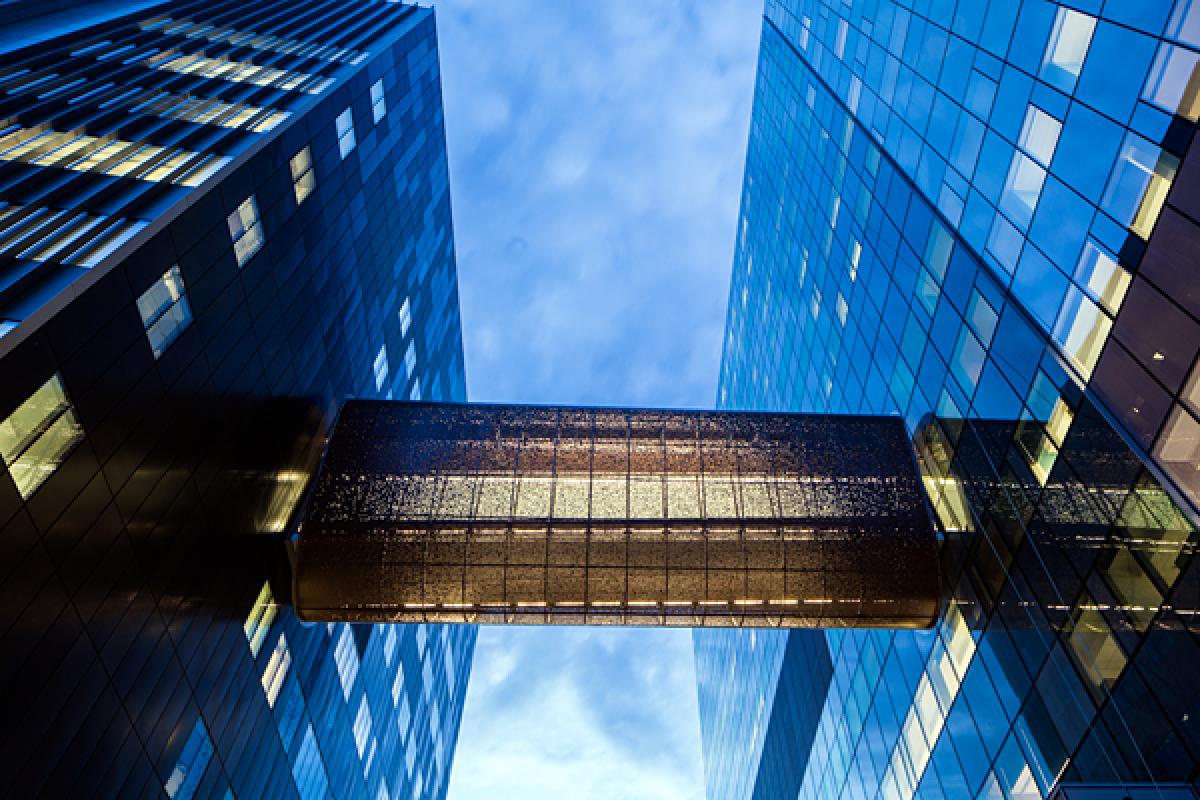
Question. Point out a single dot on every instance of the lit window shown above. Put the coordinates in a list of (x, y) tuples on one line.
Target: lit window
[(7, 326), (362, 726), (410, 360), (164, 309), (345, 132), (1067, 48), (1039, 135), (378, 104), (237, 72), (345, 655), (389, 643), (1139, 184), (1173, 82), (303, 178), (380, 368), (1095, 648), (259, 620), (405, 317), (37, 437), (1102, 277), (132, 159), (245, 230), (415, 394), (193, 761), (1081, 330), (275, 672)]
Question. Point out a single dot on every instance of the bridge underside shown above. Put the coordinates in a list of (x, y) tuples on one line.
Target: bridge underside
[(533, 515)]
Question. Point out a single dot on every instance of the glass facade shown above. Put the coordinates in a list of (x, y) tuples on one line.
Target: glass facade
[(193, 276), (978, 216)]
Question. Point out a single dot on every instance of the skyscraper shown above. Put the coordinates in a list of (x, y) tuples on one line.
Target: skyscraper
[(217, 220), (981, 216)]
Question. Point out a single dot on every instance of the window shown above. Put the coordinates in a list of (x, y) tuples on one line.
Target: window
[(1022, 189), (1139, 184), (389, 643), (165, 311), (378, 104), (245, 230), (1069, 41), (410, 360), (275, 672), (345, 655), (193, 761), (258, 622), (1039, 135), (1179, 450), (38, 435), (345, 132), (1173, 82), (380, 368), (1082, 329), (7, 326), (303, 178), (405, 317), (1095, 648), (1102, 277), (362, 726)]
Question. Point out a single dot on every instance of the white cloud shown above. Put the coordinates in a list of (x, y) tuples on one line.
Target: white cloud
[(581, 713), (610, 137)]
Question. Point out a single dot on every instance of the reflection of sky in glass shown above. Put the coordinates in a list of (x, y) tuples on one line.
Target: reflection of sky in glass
[(596, 157)]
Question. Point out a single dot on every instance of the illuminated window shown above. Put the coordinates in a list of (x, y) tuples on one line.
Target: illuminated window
[(258, 622), (237, 72), (7, 326), (378, 104), (345, 655), (38, 435), (1139, 184), (193, 761), (80, 152), (164, 309), (380, 368), (362, 726), (410, 360), (304, 180), (405, 317), (1082, 329), (345, 132), (1095, 647), (389, 643), (275, 672), (245, 230), (1102, 277), (1067, 48)]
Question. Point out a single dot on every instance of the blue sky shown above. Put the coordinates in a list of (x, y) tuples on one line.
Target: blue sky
[(596, 156)]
